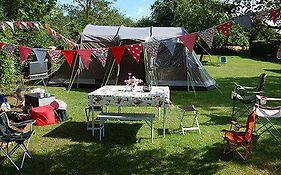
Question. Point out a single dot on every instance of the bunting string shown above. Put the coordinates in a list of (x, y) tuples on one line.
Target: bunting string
[(136, 50)]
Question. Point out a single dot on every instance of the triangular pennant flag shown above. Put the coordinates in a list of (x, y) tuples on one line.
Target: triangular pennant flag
[(49, 30), (3, 25), (29, 23), (118, 52), (10, 48), (55, 56), (10, 24), (152, 47), (24, 52), (36, 25), (1, 45), (279, 53), (40, 25), (244, 20), (40, 54), (101, 54), (274, 14), (135, 50), (52, 32), (170, 44), (69, 55), (208, 36), (225, 28), (25, 25), (86, 56), (260, 16), (18, 23), (60, 36), (189, 41)]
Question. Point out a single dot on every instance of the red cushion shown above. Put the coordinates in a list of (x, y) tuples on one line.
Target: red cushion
[(44, 115)]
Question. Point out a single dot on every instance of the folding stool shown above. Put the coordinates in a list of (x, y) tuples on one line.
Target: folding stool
[(191, 112)]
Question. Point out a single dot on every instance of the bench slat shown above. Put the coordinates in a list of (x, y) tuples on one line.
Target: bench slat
[(126, 116)]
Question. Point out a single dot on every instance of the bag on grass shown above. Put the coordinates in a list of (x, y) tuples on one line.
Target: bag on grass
[(60, 107)]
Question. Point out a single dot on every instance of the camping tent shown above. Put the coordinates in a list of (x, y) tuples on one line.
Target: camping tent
[(173, 69)]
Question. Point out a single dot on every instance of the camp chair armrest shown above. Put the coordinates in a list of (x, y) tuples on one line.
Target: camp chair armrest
[(237, 125), (226, 130), (23, 123), (240, 87), (257, 92), (236, 132)]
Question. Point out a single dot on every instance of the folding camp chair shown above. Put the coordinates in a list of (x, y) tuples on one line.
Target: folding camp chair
[(16, 133), (268, 116), (235, 139), (244, 97)]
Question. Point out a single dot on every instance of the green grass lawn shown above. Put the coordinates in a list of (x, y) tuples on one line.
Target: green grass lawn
[(67, 148)]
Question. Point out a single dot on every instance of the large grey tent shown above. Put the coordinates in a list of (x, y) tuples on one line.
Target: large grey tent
[(177, 69)]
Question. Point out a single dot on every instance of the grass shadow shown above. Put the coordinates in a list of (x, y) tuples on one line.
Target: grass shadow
[(115, 133), (99, 159)]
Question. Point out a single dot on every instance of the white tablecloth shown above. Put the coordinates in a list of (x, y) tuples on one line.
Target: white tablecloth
[(159, 96)]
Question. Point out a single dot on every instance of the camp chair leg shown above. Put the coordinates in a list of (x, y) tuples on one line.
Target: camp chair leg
[(159, 113), (268, 128), (8, 156)]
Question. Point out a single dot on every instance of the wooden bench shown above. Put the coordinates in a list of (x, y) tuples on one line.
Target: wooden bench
[(147, 117)]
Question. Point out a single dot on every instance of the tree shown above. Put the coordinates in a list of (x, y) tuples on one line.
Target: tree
[(197, 15), (262, 29), (26, 9)]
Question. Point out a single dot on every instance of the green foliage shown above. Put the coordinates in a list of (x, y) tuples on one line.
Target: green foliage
[(26, 9), (197, 15), (9, 72), (144, 22), (262, 30)]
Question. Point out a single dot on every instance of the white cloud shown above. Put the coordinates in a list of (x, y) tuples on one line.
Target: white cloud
[(140, 12)]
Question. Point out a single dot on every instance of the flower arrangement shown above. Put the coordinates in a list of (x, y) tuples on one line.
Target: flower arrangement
[(133, 82)]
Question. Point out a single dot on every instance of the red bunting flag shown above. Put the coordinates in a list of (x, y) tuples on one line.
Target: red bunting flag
[(52, 32), (24, 52), (29, 23), (225, 28), (18, 23), (118, 52), (86, 56), (135, 50), (69, 55), (274, 14), (189, 41), (1, 45)]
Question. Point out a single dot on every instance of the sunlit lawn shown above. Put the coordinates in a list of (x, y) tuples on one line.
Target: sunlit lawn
[(67, 148)]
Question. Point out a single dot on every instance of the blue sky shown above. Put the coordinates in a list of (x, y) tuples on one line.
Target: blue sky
[(134, 9)]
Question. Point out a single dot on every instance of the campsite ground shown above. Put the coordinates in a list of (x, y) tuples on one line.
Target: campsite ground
[(67, 148)]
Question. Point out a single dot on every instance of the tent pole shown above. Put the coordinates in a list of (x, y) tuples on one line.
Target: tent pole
[(204, 50), (109, 74), (189, 77), (71, 83), (72, 73), (118, 72)]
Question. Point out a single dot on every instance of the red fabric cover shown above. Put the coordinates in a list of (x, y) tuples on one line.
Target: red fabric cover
[(44, 115)]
